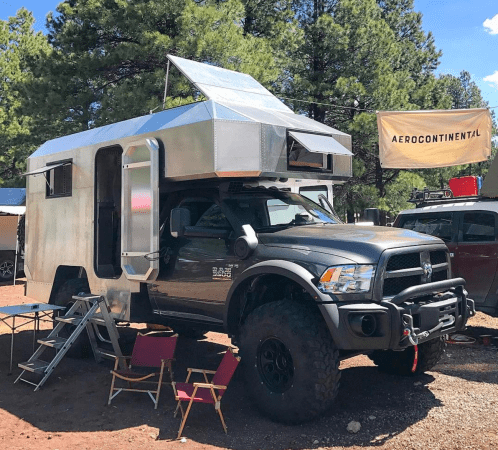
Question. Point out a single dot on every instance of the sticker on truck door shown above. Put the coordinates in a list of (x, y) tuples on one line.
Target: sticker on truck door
[(223, 273)]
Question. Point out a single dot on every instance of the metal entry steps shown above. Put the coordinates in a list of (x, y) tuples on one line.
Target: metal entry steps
[(89, 312)]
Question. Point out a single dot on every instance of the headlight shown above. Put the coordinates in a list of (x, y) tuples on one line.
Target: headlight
[(350, 279)]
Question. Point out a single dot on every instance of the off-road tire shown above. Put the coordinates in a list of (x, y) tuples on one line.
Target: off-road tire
[(315, 373), (81, 347), (7, 265), (400, 363)]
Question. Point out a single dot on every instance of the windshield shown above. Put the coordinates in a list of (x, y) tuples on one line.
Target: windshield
[(267, 211)]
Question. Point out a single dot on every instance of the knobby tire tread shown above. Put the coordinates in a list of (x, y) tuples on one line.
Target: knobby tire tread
[(305, 323)]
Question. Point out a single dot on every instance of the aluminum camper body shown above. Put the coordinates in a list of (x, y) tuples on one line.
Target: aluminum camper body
[(214, 139)]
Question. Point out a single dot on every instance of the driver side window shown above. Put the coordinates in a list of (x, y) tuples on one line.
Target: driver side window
[(283, 213), (206, 214)]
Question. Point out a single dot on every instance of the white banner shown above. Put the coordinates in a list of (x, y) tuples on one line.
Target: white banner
[(428, 139)]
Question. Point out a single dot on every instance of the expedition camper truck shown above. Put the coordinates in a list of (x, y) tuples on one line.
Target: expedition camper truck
[(164, 215)]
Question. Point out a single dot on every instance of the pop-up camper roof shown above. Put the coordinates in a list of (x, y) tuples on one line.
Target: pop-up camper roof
[(242, 130)]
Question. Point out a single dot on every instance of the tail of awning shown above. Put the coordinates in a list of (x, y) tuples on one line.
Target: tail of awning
[(46, 168)]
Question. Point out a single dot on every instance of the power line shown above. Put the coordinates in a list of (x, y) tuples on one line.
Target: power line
[(326, 104), (339, 106), (269, 94), (330, 105)]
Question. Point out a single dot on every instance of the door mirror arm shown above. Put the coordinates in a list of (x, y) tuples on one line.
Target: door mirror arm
[(179, 221), (247, 243)]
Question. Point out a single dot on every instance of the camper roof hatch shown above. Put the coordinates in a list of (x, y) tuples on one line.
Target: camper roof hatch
[(224, 85)]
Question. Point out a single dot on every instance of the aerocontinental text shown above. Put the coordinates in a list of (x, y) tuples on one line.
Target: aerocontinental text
[(432, 138)]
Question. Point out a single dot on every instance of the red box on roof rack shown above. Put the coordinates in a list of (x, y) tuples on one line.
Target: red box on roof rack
[(464, 186)]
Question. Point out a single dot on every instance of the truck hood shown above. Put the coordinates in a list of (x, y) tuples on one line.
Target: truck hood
[(360, 244)]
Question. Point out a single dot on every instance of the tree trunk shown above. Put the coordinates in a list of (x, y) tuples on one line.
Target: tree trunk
[(350, 209), (379, 184)]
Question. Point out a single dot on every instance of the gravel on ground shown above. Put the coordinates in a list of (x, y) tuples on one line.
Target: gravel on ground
[(452, 407)]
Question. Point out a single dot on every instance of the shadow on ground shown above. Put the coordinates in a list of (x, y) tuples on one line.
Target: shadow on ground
[(74, 399), (472, 362), (19, 282)]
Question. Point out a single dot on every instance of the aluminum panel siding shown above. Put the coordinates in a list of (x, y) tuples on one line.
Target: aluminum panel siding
[(237, 146), (189, 151)]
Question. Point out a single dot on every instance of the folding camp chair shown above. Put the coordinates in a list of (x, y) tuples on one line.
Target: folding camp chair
[(206, 392), (148, 352)]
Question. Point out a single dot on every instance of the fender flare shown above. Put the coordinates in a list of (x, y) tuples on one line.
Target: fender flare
[(288, 269)]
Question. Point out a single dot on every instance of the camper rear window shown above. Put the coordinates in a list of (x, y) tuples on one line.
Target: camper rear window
[(59, 181), (300, 158)]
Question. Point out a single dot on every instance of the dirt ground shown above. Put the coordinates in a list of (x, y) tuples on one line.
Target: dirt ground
[(453, 407)]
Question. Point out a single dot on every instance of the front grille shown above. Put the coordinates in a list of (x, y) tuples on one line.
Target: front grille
[(438, 257), (440, 275), (393, 286), (405, 270), (403, 261)]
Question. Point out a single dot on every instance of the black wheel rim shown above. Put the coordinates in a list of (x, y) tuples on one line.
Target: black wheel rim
[(6, 269), (275, 365)]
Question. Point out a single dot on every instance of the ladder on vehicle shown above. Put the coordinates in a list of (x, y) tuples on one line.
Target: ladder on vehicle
[(88, 312)]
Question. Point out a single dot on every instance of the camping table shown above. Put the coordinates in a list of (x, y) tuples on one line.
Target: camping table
[(34, 312)]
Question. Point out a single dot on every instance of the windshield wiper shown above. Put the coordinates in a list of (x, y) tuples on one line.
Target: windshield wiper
[(273, 228)]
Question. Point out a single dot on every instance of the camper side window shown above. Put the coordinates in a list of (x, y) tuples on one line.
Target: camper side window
[(59, 181)]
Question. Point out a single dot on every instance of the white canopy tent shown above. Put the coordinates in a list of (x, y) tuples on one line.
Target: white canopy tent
[(9, 227)]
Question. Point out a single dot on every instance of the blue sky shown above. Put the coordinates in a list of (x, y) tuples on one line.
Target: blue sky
[(467, 33), (465, 30)]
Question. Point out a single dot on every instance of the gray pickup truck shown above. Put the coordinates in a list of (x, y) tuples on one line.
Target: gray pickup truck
[(300, 291)]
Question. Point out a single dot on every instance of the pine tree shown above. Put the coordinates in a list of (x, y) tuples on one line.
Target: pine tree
[(109, 60), (20, 47)]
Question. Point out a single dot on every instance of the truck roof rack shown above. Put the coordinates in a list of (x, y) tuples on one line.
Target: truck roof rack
[(427, 195), (437, 196)]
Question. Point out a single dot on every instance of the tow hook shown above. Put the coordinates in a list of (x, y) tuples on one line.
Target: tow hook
[(409, 330), (413, 337)]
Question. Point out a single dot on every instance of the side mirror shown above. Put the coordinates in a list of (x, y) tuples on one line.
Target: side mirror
[(246, 244), (372, 215), (179, 219)]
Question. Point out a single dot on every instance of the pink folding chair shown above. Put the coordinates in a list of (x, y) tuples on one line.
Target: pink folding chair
[(148, 352), (208, 392)]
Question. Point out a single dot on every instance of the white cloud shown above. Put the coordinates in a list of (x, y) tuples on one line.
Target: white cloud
[(492, 79), (491, 25)]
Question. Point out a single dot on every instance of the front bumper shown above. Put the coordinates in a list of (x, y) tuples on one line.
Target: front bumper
[(416, 315)]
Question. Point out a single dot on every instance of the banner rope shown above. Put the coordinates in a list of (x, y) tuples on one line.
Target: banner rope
[(326, 104)]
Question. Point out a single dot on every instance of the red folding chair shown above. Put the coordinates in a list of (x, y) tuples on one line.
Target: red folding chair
[(148, 352), (208, 392)]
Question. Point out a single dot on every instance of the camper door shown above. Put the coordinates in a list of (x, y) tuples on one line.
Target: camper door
[(140, 218)]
